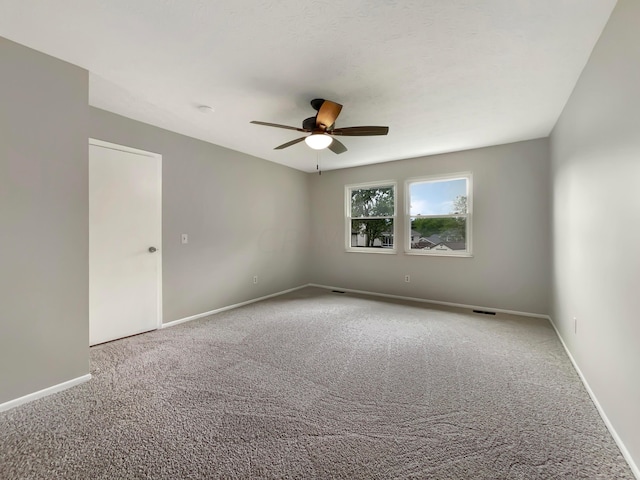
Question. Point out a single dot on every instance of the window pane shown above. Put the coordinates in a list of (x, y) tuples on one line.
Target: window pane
[(372, 202), (372, 233), (444, 197), (439, 234)]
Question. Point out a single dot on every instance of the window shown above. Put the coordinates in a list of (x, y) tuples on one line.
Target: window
[(438, 216), (371, 215)]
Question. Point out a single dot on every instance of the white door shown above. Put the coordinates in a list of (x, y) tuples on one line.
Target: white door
[(124, 241)]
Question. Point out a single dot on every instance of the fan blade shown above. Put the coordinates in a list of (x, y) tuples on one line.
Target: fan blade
[(360, 131), (327, 114), (292, 142), (278, 126), (337, 147)]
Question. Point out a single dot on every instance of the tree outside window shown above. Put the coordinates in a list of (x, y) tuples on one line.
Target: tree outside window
[(439, 215), (371, 217)]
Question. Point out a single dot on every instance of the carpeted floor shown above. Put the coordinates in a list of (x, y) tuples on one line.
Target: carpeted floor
[(315, 384)]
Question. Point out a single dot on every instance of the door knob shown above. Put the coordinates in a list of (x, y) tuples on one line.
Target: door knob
[(152, 249)]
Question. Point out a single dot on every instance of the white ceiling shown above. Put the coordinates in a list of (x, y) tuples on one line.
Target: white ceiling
[(444, 75)]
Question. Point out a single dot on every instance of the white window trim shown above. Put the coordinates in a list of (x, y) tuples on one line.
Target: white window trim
[(407, 216), (348, 218)]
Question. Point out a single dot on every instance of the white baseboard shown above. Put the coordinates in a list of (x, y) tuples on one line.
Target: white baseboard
[(45, 392), (229, 307), (435, 302), (623, 449)]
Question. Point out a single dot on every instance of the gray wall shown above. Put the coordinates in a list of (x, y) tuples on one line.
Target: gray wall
[(596, 172), (510, 268), (244, 216), (44, 328)]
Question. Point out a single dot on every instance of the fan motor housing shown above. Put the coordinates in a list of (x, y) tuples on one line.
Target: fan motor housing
[(309, 123), (316, 103)]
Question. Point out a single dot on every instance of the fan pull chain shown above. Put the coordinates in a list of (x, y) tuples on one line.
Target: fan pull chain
[(318, 162)]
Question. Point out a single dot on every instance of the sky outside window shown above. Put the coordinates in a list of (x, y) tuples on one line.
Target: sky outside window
[(436, 198)]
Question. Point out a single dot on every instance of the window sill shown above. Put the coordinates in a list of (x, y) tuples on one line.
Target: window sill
[(381, 251), (433, 254)]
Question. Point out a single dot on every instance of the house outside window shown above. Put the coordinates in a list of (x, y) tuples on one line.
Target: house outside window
[(371, 217), (438, 215)]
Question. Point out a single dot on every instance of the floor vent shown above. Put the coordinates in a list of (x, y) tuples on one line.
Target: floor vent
[(484, 312)]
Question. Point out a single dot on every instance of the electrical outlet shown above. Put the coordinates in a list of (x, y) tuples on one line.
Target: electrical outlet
[(407, 278), (255, 279), (185, 238)]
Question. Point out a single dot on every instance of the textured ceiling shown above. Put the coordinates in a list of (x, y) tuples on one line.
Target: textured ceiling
[(444, 75)]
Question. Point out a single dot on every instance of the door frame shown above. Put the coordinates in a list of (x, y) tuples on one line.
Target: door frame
[(158, 158)]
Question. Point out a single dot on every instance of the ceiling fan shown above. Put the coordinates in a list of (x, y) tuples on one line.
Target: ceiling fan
[(322, 128)]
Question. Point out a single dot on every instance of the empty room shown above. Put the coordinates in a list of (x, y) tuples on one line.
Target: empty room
[(349, 240)]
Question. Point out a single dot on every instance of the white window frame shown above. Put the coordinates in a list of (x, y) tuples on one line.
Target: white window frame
[(348, 217), (468, 176)]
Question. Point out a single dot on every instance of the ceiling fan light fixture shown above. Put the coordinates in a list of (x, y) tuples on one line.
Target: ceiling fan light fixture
[(318, 141), (321, 128)]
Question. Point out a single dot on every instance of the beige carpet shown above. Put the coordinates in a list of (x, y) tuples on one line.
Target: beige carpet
[(316, 384)]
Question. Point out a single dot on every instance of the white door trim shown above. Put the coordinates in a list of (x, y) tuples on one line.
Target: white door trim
[(114, 146)]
